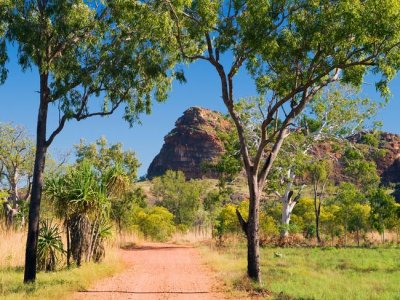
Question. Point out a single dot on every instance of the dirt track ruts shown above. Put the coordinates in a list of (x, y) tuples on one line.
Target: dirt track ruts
[(159, 271)]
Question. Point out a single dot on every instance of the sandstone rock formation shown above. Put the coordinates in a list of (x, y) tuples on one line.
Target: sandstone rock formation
[(193, 142), (389, 165)]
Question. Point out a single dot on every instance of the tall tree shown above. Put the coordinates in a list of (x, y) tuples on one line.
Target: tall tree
[(348, 199), (319, 172), (332, 117), (17, 153), (383, 209), (180, 197), (105, 157), (88, 55), (293, 50)]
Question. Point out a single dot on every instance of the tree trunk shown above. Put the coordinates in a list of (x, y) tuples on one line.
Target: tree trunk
[(14, 191), (286, 211), (68, 243), (37, 184), (12, 209), (253, 241), (358, 238), (317, 226)]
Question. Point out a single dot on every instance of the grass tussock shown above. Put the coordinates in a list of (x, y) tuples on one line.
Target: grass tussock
[(312, 273), (49, 285)]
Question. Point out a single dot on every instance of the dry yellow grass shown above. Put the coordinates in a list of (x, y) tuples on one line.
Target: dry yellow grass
[(60, 284), (192, 236), (12, 248)]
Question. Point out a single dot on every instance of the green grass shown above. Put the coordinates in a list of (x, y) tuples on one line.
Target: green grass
[(315, 273), (54, 285)]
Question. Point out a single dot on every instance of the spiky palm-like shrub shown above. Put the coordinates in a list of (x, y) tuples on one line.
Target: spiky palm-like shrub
[(50, 246), (82, 197)]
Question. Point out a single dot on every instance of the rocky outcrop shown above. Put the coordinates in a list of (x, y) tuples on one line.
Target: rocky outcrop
[(389, 165), (193, 142)]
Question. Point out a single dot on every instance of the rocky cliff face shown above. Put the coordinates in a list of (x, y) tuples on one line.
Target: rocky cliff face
[(389, 165), (192, 142)]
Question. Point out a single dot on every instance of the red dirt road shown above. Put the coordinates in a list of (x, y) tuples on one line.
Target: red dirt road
[(159, 271)]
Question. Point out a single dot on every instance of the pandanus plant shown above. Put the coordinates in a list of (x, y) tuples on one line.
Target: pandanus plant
[(82, 197), (50, 246)]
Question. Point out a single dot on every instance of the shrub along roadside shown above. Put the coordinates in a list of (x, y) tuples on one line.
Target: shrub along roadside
[(56, 285)]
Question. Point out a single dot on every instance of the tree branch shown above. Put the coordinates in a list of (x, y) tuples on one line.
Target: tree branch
[(242, 222)]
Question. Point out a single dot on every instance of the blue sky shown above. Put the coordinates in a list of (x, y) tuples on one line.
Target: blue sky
[(19, 100)]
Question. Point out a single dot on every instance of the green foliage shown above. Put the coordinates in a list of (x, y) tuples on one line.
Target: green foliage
[(50, 246), (290, 44), (82, 197), (108, 157), (303, 215), (17, 153), (182, 198), (383, 209), (319, 171), (118, 50), (361, 171), (123, 208), (359, 218), (330, 222), (353, 211), (229, 164), (81, 190), (370, 139), (226, 221), (337, 113), (155, 222)]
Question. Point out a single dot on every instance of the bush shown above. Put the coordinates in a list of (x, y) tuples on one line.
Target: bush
[(155, 223), (50, 246), (226, 221)]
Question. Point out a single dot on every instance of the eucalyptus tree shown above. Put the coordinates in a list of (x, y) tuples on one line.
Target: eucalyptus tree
[(293, 50), (17, 153), (333, 116), (383, 210), (104, 156), (91, 57), (349, 200), (319, 172), (182, 198), (122, 166)]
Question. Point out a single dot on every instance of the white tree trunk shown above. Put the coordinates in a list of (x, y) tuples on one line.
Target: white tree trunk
[(288, 204)]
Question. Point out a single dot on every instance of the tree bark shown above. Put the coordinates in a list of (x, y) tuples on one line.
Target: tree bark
[(37, 184), (12, 208), (253, 240), (317, 225), (14, 191), (68, 243), (286, 212)]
